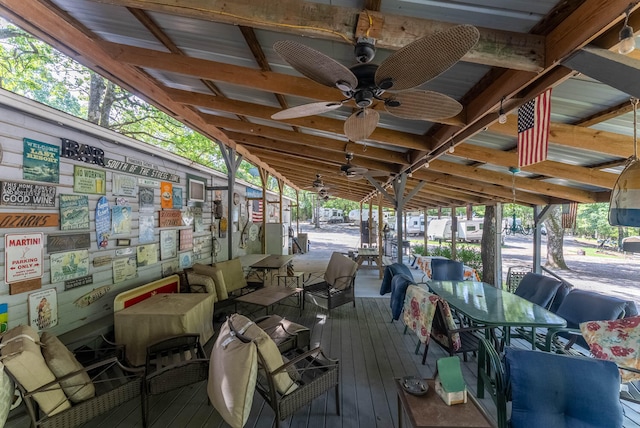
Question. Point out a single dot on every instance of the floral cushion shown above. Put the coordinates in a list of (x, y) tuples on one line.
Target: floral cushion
[(419, 309), (617, 340)]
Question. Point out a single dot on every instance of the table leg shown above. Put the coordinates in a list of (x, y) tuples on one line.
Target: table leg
[(399, 412)]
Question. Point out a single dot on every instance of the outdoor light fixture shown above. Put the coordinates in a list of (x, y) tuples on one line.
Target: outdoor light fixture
[(502, 118), (626, 37), (452, 148), (624, 208), (426, 164), (514, 227)]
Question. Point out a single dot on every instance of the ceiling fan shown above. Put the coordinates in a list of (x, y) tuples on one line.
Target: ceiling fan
[(365, 83), (316, 184), (353, 172)]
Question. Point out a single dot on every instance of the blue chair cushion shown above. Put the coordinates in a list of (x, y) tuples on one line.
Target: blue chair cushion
[(447, 270), (399, 285), (389, 272), (559, 391), (582, 305), (562, 292), (537, 288)]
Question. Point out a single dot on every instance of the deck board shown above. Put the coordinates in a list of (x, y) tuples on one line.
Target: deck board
[(372, 352)]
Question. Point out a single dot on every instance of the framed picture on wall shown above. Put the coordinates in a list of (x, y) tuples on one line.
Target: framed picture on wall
[(196, 188)]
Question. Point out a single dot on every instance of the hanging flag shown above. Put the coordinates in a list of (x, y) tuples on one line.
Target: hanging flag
[(256, 211), (569, 215), (533, 129)]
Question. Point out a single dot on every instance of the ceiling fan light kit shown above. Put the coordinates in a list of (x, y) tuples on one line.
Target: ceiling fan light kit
[(366, 83)]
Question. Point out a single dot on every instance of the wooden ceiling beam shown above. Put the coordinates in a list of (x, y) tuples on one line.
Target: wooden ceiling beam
[(521, 183), (579, 137), (341, 24), (547, 168)]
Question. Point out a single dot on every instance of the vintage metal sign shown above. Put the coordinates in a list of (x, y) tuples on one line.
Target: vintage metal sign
[(23, 194), (40, 161), (170, 218), (23, 255), (74, 212), (68, 241), (92, 296), (102, 261), (78, 282), (103, 222), (22, 220), (89, 180), (140, 170)]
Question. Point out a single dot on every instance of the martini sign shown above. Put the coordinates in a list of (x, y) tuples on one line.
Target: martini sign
[(23, 256)]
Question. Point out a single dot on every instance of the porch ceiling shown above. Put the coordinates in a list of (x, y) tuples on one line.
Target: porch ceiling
[(211, 64)]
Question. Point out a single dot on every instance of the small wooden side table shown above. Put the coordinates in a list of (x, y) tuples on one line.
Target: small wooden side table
[(429, 411)]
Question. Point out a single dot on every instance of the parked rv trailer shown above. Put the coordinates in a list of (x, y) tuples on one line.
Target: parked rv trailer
[(414, 224), (470, 230)]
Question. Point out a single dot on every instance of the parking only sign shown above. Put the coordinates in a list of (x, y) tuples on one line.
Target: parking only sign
[(23, 256)]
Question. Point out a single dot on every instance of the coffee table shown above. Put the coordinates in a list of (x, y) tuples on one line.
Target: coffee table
[(429, 410), (269, 296), (271, 263)]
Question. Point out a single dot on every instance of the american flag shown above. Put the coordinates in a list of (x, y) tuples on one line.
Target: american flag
[(533, 129), (256, 211)]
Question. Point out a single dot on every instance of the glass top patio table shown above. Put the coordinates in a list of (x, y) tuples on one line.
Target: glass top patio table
[(492, 307)]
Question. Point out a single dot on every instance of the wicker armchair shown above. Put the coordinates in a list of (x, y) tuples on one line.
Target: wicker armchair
[(115, 384), (313, 374), (173, 363), (338, 286)]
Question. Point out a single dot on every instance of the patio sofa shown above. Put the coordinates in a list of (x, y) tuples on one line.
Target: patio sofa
[(56, 388)]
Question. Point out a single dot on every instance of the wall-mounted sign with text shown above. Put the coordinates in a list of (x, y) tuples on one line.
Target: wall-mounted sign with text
[(23, 256), (27, 194), (81, 152), (140, 170)]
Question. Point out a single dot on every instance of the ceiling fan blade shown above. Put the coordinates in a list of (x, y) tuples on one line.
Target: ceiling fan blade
[(307, 110), (425, 58), (361, 124), (356, 170), (423, 105), (315, 65)]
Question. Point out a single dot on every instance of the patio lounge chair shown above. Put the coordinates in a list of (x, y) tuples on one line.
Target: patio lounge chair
[(337, 287)]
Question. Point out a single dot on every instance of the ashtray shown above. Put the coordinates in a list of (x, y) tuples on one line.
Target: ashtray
[(414, 385)]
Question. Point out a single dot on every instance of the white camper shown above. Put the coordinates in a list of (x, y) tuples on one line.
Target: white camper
[(440, 228), (414, 224), (470, 230)]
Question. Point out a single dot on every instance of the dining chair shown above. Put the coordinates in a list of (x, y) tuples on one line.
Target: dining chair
[(539, 289), (430, 317), (447, 270), (515, 275)]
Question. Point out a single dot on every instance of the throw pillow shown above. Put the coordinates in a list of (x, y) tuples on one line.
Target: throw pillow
[(617, 340), (268, 349), (233, 370), (21, 355), (62, 362)]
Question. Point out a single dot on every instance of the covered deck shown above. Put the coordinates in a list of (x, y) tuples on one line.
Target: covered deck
[(372, 350)]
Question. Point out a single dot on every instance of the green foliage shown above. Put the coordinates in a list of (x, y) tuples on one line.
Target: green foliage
[(468, 255), (418, 249)]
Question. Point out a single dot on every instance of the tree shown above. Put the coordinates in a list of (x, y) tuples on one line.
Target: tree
[(490, 233), (555, 238)]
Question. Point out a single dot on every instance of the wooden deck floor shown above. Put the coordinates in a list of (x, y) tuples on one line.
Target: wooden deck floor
[(372, 352)]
